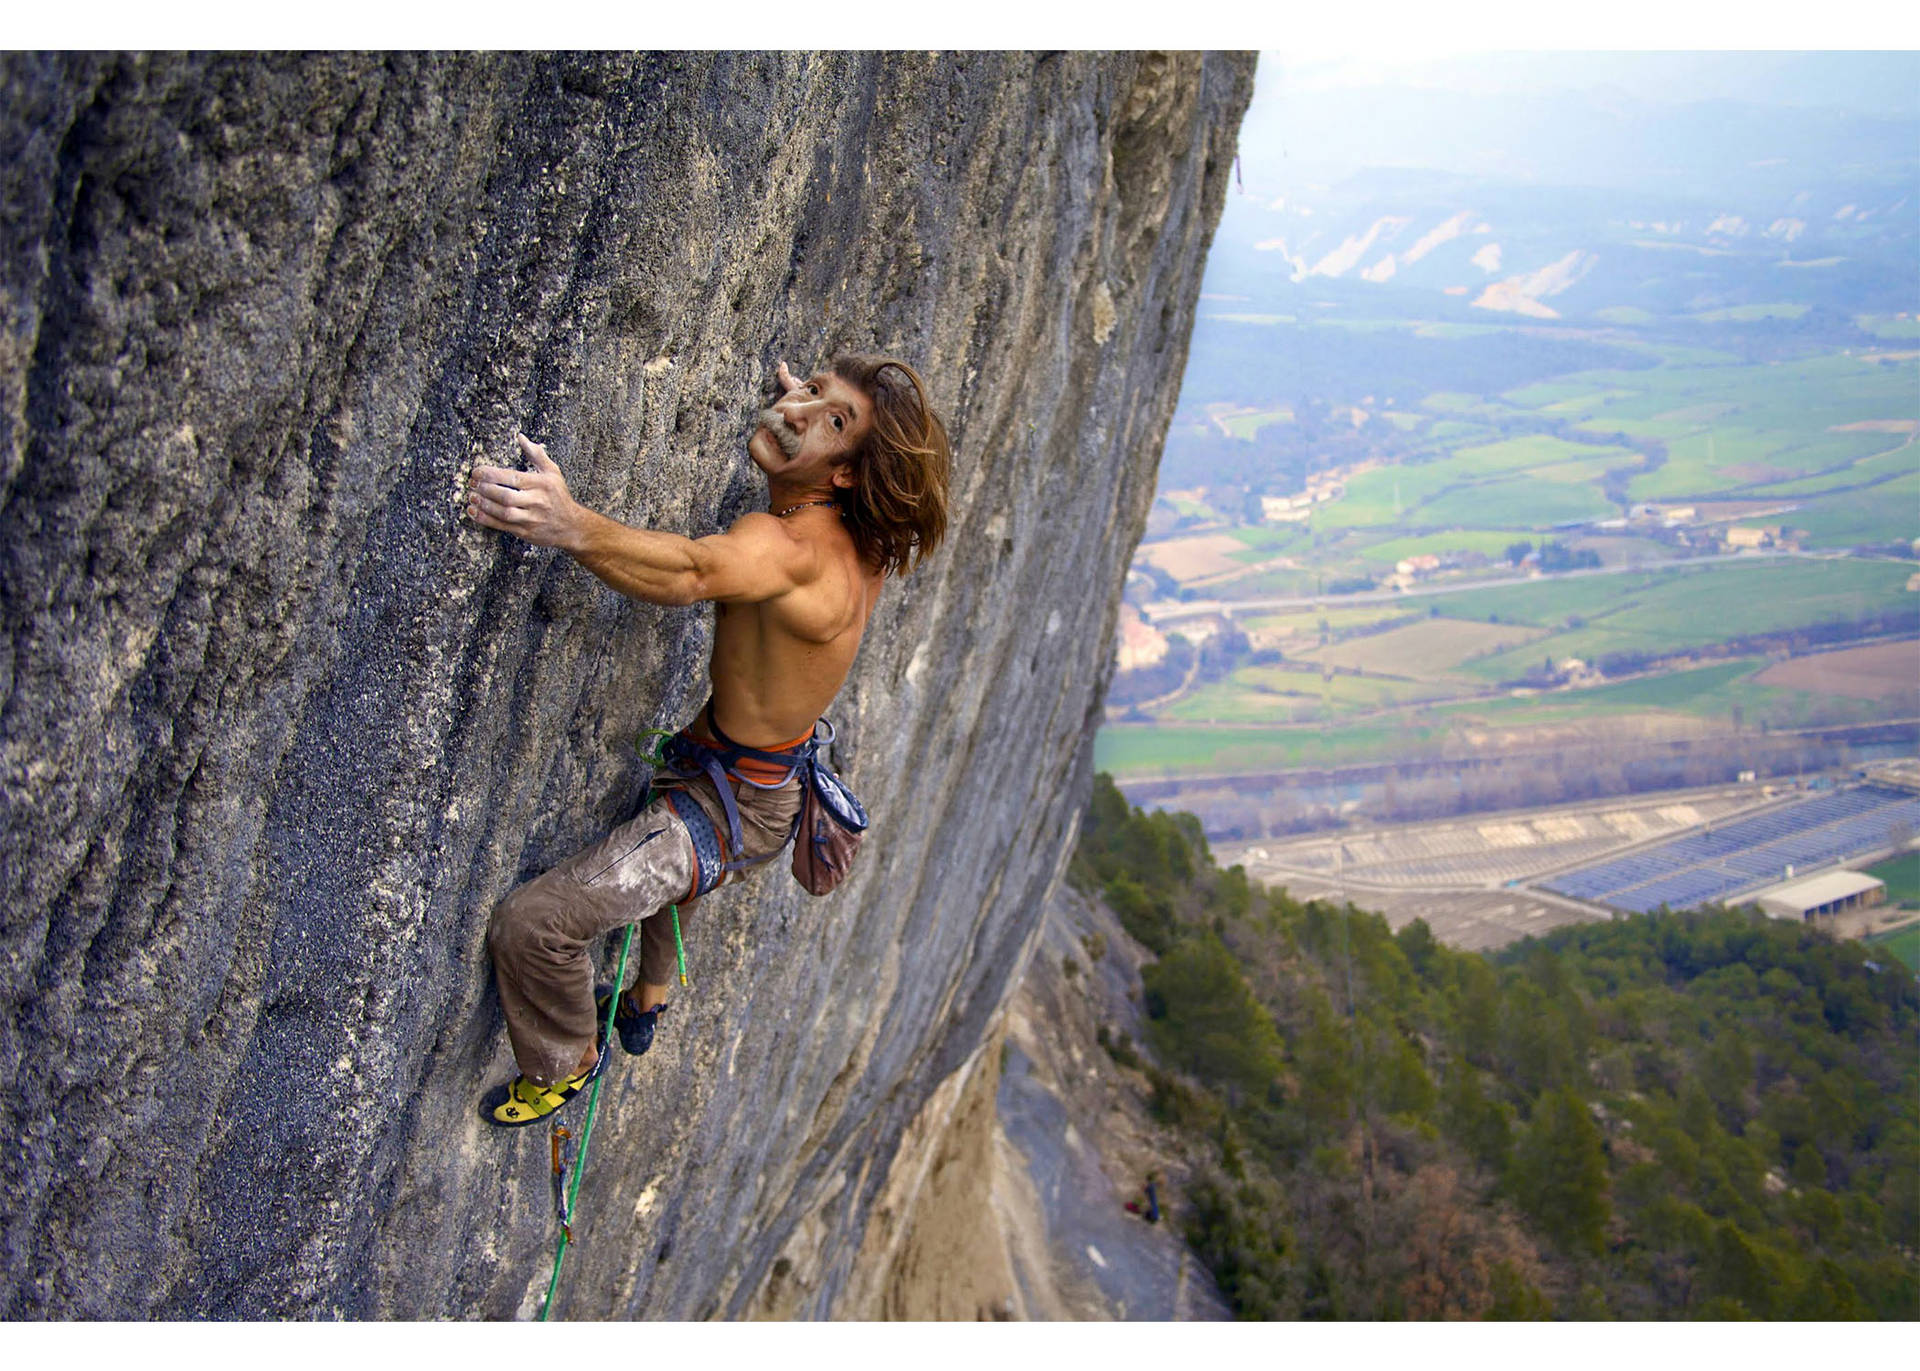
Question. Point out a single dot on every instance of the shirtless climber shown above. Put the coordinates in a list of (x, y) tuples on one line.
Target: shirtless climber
[(856, 464)]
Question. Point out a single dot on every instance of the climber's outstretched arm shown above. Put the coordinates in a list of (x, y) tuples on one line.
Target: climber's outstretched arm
[(755, 560)]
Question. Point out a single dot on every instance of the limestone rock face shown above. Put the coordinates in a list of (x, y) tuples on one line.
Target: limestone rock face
[(278, 727)]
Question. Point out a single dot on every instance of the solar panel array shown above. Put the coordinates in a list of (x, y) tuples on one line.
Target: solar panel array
[(1716, 863)]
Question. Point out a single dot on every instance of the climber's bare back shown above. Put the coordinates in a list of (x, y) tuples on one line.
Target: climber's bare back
[(777, 664)]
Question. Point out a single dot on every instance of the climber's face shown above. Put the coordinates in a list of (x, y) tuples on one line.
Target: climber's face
[(809, 434)]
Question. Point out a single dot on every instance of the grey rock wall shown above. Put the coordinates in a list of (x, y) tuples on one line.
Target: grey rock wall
[(277, 728)]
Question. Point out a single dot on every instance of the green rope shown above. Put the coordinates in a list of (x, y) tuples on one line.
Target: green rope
[(586, 1134), (652, 758)]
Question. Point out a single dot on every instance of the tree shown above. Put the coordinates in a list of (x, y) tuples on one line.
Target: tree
[(1207, 1021), (1558, 1175), (1483, 1126), (1240, 1232), (1420, 947), (1737, 1268)]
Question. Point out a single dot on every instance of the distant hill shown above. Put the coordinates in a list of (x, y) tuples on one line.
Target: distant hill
[(1662, 184)]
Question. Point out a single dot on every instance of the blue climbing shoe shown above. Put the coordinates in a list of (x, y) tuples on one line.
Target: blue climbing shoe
[(634, 1026)]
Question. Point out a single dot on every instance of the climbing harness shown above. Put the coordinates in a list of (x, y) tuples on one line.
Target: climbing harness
[(720, 761), (829, 824)]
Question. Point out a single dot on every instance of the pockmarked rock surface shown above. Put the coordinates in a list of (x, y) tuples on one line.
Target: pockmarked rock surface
[(278, 728)]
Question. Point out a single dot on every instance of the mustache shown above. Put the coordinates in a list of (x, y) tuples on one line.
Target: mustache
[(774, 422)]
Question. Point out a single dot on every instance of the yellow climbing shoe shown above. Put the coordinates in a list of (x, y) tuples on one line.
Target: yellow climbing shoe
[(521, 1102)]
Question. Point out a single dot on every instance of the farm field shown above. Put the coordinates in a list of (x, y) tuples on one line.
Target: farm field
[(1830, 431), (1428, 649), (1885, 513), (1522, 484), (1267, 540), (1725, 689), (1246, 425), (1491, 543), (1902, 875), (1703, 690), (1337, 618), (1186, 559), (1526, 454), (1882, 464), (1888, 672), (1266, 694), (1903, 943), (1883, 326), (1416, 676), (1664, 612), (1253, 585), (1728, 426), (1616, 551), (1140, 750), (1523, 504), (1820, 441)]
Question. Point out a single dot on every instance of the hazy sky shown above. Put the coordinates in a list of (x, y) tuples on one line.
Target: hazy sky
[(1617, 119), (1880, 83)]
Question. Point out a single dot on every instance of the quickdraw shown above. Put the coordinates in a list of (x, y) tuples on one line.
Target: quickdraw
[(562, 1141)]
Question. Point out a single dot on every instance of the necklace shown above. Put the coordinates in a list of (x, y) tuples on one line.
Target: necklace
[(804, 504)]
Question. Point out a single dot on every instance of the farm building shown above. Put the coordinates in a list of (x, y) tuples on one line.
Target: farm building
[(1828, 893), (1141, 645)]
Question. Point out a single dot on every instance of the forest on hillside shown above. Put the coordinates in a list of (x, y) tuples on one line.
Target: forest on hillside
[(1709, 1115)]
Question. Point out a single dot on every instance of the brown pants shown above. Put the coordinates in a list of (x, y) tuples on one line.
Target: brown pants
[(542, 934)]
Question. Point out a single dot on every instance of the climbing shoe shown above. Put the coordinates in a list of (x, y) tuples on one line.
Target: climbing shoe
[(634, 1026), (521, 1102)]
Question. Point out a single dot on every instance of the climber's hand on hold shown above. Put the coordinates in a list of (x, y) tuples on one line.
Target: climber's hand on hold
[(788, 382), (532, 504)]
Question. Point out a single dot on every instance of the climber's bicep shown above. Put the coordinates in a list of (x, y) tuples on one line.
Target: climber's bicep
[(754, 561)]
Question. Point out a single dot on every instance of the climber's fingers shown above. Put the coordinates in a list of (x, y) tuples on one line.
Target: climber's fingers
[(532, 504), (489, 512), (537, 455), (504, 486), (785, 377)]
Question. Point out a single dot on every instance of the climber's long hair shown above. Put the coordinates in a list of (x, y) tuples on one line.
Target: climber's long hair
[(897, 508)]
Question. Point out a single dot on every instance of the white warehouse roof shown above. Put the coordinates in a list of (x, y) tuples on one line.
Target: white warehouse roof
[(1815, 891)]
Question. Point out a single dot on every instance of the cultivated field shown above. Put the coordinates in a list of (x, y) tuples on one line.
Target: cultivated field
[(1888, 672), (1306, 623), (1822, 442), (1669, 611), (1268, 695), (1171, 749), (1187, 559), (1426, 649)]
